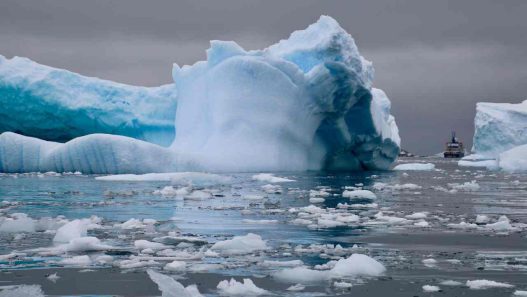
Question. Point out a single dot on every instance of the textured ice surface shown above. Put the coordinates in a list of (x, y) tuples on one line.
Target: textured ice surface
[(514, 160), (499, 127), (320, 113), (59, 105)]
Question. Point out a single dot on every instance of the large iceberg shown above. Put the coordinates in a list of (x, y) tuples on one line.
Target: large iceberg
[(305, 103), (59, 105), (500, 137), (499, 127)]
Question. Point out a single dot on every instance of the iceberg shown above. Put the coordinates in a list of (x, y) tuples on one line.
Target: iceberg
[(59, 105), (500, 137), (305, 103), (499, 127)]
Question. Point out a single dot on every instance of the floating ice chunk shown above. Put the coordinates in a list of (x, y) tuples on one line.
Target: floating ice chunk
[(451, 283), (83, 260), (429, 262), (503, 224), (316, 200), (170, 191), (169, 287), (22, 290), (291, 263), (342, 285), (429, 288), (302, 275), (417, 215), (53, 277), (364, 194), (235, 288), (272, 189), (520, 293), (482, 284), (296, 288), (72, 230), (390, 219), (198, 195), (145, 244), (462, 225), (132, 224), (240, 245), (82, 244), (175, 266), (422, 224), (397, 187), (267, 177), (471, 186), (355, 266), (482, 219), (18, 222), (415, 166)]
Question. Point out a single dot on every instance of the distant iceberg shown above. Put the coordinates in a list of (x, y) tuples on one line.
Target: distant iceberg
[(305, 103), (59, 105), (500, 132)]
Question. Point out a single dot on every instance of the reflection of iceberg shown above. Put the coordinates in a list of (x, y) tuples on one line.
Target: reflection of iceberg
[(303, 103), (59, 105)]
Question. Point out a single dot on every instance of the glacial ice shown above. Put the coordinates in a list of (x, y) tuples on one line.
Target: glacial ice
[(321, 113), (59, 105), (500, 137), (499, 127)]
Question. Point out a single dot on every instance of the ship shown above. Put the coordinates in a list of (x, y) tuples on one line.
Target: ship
[(454, 148)]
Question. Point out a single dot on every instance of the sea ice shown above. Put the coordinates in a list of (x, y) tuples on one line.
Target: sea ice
[(482, 284), (429, 288), (365, 194), (235, 288), (169, 287), (354, 266), (240, 245), (267, 177), (23, 290)]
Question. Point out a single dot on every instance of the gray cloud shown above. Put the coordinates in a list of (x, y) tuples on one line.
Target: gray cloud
[(434, 59)]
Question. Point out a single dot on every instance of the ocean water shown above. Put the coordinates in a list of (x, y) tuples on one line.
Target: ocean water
[(422, 227)]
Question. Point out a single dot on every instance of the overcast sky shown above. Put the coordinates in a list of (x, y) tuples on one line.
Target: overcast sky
[(435, 59)]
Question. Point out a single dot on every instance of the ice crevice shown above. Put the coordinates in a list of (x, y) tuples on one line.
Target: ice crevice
[(320, 113)]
